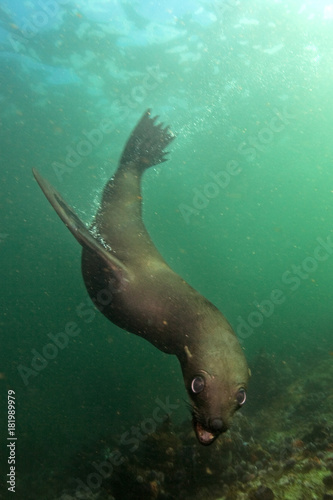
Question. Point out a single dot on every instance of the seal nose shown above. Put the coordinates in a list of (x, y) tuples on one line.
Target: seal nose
[(216, 425)]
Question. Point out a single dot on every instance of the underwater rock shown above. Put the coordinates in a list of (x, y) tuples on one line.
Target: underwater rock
[(328, 481), (320, 431), (311, 447), (263, 493), (310, 464), (290, 464)]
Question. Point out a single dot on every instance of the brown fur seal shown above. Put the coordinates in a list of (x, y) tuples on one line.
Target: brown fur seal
[(132, 285)]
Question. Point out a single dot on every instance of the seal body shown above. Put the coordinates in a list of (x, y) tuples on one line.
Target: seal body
[(131, 284)]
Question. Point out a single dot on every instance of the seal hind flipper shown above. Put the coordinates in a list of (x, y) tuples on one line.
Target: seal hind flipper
[(79, 230), (121, 200), (145, 147)]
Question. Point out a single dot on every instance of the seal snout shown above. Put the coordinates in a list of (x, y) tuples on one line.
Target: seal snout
[(216, 425), (206, 434)]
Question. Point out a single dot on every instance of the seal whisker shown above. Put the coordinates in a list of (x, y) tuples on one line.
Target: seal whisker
[(189, 406)]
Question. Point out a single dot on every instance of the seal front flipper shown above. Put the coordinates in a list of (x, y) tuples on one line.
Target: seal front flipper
[(79, 230)]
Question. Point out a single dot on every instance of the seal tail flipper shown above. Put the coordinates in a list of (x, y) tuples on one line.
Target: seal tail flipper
[(146, 145), (78, 228)]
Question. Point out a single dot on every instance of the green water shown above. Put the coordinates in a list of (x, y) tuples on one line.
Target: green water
[(249, 97)]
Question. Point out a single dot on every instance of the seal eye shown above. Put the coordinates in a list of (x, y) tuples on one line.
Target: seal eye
[(198, 384), (241, 396)]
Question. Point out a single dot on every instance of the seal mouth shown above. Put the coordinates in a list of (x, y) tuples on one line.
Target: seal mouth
[(204, 436)]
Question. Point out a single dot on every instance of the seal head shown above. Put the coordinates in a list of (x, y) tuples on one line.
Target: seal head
[(216, 386)]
